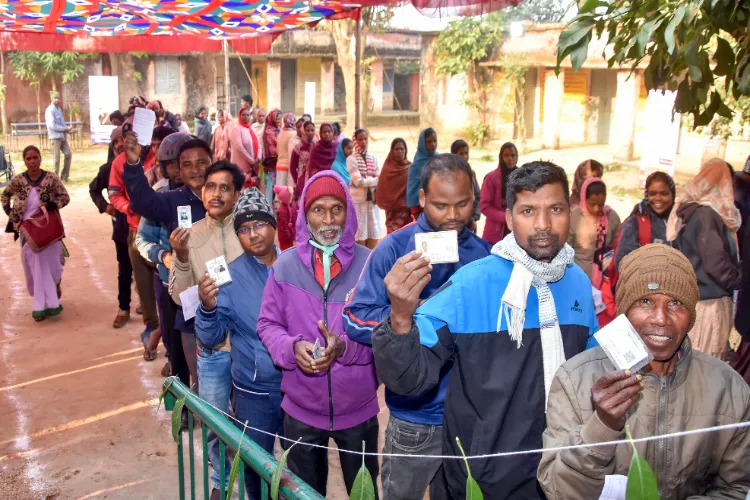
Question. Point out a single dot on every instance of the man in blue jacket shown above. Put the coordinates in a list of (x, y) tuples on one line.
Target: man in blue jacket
[(256, 394), (415, 423)]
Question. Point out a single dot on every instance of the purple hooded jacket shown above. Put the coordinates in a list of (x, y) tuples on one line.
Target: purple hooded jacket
[(293, 303)]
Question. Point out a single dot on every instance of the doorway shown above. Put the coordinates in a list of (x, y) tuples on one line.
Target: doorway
[(288, 84), (238, 80), (601, 102)]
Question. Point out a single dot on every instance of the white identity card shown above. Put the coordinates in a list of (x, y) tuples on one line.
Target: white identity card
[(218, 270), (184, 217), (143, 125), (317, 351), (440, 246), (623, 345)]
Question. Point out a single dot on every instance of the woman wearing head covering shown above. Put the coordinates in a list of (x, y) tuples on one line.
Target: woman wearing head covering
[(288, 132), (301, 158), (270, 153), (492, 198), (364, 172), (244, 144), (345, 149), (426, 149), (322, 153), (32, 192), (589, 168), (202, 125), (647, 223), (260, 121), (391, 195), (703, 226), (220, 140)]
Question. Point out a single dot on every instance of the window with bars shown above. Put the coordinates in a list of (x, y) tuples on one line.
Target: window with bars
[(167, 75)]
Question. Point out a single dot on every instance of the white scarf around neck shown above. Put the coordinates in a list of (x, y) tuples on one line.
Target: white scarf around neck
[(526, 273)]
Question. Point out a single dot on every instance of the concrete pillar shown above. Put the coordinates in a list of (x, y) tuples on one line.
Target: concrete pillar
[(626, 106), (273, 79), (376, 86), (327, 85), (553, 93)]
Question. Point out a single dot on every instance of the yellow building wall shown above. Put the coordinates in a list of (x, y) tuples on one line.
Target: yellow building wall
[(308, 70), (260, 81), (573, 114)]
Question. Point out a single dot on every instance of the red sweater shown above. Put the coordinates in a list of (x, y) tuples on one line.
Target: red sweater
[(118, 195), (493, 205), (287, 219)]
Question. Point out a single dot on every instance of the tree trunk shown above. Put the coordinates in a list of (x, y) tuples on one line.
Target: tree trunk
[(343, 36), (38, 89), (3, 115)]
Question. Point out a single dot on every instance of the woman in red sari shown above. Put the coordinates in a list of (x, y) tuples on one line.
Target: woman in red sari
[(270, 153), (391, 193)]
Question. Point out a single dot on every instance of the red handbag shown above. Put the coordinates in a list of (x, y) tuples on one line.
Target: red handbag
[(42, 229)]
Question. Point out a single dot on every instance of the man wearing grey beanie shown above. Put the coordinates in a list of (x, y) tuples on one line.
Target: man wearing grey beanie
[(681, 389)]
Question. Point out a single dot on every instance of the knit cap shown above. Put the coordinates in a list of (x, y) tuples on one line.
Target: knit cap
[(252, 205), (115, 134), (324, 186), (657, 269)]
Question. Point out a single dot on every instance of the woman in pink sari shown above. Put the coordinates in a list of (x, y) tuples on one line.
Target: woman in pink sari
[(300, 159), (245, 146), (30, 191)]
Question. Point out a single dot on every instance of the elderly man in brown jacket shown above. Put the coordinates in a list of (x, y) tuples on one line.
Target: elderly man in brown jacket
[(681, 389)]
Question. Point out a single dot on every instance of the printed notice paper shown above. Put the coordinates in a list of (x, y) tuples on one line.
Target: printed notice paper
[(143, 125)]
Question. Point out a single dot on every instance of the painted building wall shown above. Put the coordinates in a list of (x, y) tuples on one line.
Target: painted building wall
[(308, 70)]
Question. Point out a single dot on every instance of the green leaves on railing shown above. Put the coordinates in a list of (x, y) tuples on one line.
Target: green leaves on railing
[(235, 470), (276, 478), (164, 392), (472, 488), (177, 417), (363, 487), (641, 479)]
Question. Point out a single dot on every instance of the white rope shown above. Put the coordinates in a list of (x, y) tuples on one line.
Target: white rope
[(691, 432)]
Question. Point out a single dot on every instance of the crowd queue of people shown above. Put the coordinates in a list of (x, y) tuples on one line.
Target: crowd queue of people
[(496, 349)]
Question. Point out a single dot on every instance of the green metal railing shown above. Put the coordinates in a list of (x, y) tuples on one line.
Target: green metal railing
[(251, 454)]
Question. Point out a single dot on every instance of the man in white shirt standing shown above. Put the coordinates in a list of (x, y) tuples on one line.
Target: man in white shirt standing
[(57, 132)]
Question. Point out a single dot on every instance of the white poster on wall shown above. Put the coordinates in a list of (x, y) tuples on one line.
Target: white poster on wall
[(310, 99), (104, 98), (661, 135)]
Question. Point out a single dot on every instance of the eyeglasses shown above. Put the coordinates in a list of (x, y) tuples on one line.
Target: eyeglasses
[(255, 227)]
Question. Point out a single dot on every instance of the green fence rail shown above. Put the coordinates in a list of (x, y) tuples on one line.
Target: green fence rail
[(251, 454)]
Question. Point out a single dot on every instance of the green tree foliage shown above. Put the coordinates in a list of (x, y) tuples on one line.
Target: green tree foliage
[(687, 46), (539, 11)]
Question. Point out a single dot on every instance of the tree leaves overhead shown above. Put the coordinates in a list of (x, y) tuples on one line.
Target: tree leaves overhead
[(683, 46), (466, 41)]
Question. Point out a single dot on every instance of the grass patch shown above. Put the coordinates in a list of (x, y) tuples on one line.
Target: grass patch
[(83, 168)]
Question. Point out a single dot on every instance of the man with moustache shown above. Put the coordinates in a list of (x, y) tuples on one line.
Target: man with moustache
[(591, 402), (508, 322), (330, 391)]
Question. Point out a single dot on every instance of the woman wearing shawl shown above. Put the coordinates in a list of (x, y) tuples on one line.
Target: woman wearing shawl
[(294, 141), (301, 158), (288, 132), (322, 153), (203, 128), (345, 149), (426, 149), (259, 121), (703, 226), (270, 153), (492, 199), (244, 144), (220, 140), (30, 192), (589, 168), (364, 172), (391, 196)]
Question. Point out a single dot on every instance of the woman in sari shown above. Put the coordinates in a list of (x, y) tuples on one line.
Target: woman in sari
[(587, 169), (270, 153), (391, 195), (259, 121), (323, 152), (492, 199), (245, 146), (345, 149), (288, 132), (364, 172), (703, 226), (30, 191), (301, 158), (426, 150)]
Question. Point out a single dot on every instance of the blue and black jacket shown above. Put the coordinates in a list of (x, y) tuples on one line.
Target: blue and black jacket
[(368, 305), (496, 398)]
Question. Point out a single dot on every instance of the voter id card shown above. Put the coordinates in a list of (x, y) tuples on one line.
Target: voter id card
[(317, 351), (440, 246), (623, 345), (218, 270), (184, 217)]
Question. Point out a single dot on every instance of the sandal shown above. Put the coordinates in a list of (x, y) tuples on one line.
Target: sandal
[(149, 355), (167, 370), (40, 319)]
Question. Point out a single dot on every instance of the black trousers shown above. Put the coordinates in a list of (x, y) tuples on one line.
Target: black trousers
[(311, 464), (124, 275), (172, 335)]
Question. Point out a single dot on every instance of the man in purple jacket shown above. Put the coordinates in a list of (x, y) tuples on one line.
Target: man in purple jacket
[(329, 391)]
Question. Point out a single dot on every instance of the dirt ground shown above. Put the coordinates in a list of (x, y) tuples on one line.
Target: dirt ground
[(78, 402)]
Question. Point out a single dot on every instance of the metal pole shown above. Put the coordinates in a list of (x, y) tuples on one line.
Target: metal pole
[(357, 72), (227, 83)]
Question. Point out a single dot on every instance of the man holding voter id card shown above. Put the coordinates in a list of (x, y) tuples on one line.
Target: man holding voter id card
[(646, 376), (507, 322)]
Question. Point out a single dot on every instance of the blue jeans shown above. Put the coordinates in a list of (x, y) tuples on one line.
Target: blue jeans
[(261, 411), (408, 478), (215, 386)]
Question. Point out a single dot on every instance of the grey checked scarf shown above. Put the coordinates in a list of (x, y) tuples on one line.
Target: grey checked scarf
[(528, 272)]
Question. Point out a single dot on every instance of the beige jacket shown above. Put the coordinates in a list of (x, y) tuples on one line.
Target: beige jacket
[(208, 240), (582, 236), (701, 392)]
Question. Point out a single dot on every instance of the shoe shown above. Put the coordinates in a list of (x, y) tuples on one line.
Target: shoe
[(216, 495), (121, 319), (139, 309)]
